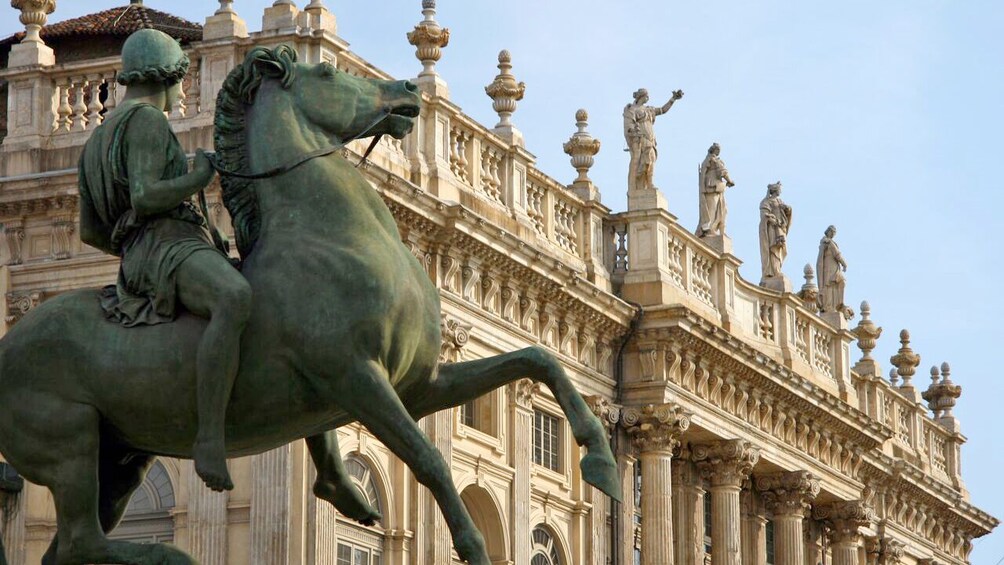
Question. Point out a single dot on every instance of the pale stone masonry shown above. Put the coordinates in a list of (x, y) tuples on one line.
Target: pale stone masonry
[(746, 428)]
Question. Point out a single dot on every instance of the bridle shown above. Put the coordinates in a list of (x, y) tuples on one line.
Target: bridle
[(218, 240), (322, 152)]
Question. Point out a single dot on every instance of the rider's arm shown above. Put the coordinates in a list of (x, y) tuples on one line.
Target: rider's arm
[(90, 231), (147, 136)]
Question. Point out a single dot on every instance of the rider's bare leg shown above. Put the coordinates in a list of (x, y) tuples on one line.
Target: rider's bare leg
[(210, 287)]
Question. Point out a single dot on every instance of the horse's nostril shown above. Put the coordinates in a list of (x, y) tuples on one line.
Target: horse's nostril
[(410, 86)]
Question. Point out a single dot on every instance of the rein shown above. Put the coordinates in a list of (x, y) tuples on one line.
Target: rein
[(322, 152)]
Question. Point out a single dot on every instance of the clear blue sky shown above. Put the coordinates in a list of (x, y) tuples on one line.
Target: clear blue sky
[(879, 117)]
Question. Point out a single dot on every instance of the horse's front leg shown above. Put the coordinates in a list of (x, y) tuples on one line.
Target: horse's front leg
[(333, 483), (458, 383)]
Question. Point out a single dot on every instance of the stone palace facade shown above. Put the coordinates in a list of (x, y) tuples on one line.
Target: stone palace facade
[(748, 426)]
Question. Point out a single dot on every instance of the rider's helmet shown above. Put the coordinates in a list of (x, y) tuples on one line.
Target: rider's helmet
[(151, 56)]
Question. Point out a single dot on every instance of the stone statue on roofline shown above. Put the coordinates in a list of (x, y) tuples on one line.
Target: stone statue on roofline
[(775, 220), (713, 179), (639, 132), (830, 268)]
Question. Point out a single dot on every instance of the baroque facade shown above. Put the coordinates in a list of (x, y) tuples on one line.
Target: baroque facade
[(745, 430)]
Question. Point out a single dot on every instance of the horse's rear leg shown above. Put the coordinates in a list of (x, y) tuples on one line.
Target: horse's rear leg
[(73, 479), (372, 401), (333, 483), (461, 382)]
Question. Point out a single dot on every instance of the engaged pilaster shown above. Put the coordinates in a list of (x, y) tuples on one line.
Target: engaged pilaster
[(844, 520), (207, 522), (725, 464), (754, 533), (788, 496), (655, 431)]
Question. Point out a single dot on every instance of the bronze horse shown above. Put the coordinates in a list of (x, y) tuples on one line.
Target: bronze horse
[(345, 328)]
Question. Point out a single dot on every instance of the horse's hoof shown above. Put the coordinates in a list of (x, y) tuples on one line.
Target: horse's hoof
[(600, 470), (349, 500), (470, 547)]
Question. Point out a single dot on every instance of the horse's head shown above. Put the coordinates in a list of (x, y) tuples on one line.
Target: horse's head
[(346, 105)]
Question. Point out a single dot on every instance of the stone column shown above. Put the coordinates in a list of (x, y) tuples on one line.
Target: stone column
[(788, 495), (271, 474), (521, 396), (207, 521), (599, 547), (655, 430), (688, 506), (844, 520), (754, 531), (725, 464)]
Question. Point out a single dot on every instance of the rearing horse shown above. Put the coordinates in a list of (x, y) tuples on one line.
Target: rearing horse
[(345, 327)]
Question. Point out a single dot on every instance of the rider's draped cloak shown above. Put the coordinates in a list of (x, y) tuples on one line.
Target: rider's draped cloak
[(151, 247)]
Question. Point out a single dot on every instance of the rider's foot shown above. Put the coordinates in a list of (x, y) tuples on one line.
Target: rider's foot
[(211, 464), (347, 499)]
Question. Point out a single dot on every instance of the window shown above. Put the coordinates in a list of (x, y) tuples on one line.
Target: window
[(707, 522), (148, 517), (360, 474), (769, 534), (352, 555), (468, 413), (637, 492), (546, 440), (545, 551)]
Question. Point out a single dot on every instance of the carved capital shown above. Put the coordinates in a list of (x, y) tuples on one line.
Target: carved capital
[(608, 413), (456, 334), (655, 427), (725, 463), (19, 303), (883, 551), (14, 233), (790, 493), (523, 392), (844, 518)]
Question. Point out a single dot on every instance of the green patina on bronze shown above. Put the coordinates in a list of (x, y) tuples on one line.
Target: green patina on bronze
[(341, 312)]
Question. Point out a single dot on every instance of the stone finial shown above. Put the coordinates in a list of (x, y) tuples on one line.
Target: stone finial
[(226, 7), (505, 91), (894, 376), (905, 360), (34, 14), (655, 427), (317, 16), (224, 23), (281, 16), (429, 39), (866, 332), (942, 394), (582, 147), (810, 292)]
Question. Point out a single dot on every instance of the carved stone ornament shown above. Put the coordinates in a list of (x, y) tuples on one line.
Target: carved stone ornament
[(655, 427), (727, 462), (810, 292), (866, 332), (456, 334), (788, 493), (19, 303), (582, 147), (942, 394), (429, 39), (523, 392), (844, 518), (905, 360), (34, 14), (505, 91), (608, 413), (13, 231), (883, 551)]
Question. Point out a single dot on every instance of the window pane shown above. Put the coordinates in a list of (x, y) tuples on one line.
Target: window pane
[(546, 440), (344, 555), (362, 557)]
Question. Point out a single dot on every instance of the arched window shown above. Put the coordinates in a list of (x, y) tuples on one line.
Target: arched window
[(358, 544), (545, 550), (148, 517)]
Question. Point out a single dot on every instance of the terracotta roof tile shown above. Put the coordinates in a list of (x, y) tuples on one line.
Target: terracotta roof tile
[(120, 21)]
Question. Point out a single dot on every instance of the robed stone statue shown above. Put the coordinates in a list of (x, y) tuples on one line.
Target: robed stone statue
[(713, 179), (639, 132), (775, 220), (830, 268)]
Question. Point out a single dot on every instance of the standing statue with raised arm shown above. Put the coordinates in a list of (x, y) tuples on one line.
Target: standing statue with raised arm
[(775, 220), (830, 268), (713, 179), (639, 132)]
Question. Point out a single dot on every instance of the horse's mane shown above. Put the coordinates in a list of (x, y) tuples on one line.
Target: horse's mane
[(236, 95)]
